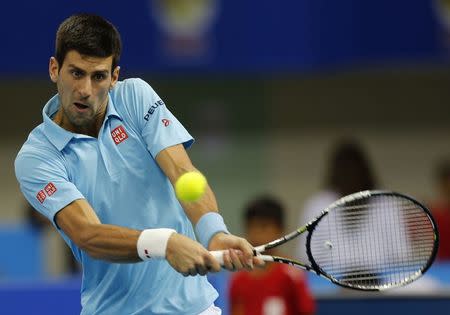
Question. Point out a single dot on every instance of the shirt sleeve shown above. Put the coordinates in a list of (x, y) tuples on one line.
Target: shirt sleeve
[(159, 128), (303, 298), (234, 293), (44, 182)]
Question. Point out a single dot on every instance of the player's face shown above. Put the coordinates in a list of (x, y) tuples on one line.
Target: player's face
[(262, 230), (83, 84)]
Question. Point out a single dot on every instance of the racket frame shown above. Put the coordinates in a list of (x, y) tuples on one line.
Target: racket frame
[(309, 227)]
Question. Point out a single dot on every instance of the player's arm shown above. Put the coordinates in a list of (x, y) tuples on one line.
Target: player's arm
[(174, 162), (102, 241), (119, 244)]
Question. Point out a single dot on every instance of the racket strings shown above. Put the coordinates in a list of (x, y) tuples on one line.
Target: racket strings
[(373, 242)]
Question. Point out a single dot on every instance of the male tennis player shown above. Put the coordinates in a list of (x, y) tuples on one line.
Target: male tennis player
[(101, 168)]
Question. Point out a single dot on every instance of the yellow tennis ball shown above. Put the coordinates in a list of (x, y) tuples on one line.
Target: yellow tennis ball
[(190, 186)]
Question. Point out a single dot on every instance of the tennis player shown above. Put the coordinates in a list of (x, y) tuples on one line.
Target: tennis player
[(101, 168)]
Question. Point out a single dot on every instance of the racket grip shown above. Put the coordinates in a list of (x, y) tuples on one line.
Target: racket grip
[(218, 254)]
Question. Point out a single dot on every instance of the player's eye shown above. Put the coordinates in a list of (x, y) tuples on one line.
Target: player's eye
[(99, 77), (76, 74)]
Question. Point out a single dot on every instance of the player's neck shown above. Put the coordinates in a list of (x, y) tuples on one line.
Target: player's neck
[(89, 130)]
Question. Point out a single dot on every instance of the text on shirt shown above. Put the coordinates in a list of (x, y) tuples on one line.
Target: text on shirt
[(119, 135), (152, 109)]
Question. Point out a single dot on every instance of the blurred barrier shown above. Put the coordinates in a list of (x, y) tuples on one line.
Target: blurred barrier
[(21, 255), (41, 297), (386, 306), (63, 297), (22, 271)]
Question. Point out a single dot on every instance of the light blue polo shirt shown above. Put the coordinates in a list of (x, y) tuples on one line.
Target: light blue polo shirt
[(118, 175)]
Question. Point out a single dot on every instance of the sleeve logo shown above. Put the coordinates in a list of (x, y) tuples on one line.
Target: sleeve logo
[(153, 108), (119, 135), (165, 122), (41, 196), (48, 190)]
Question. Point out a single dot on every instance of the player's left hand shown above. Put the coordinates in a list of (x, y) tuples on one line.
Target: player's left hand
[(238, 252)]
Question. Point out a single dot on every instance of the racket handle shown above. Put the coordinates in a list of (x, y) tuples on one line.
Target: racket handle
[(218, 255)]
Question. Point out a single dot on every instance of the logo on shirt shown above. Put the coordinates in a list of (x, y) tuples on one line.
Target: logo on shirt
[(147, 254), (48, 190), (153, 108), (119, 135), (165, 122), (41, 196)]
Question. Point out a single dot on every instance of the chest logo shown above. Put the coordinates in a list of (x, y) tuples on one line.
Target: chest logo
[(165, 122), (119, 135)]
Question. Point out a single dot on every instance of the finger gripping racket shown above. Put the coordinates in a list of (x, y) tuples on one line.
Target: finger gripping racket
[(370, 240)]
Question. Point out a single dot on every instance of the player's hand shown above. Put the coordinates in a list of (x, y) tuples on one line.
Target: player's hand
[(189, 257), (238, 252)]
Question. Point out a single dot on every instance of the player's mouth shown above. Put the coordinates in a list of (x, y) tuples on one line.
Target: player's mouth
[(80, 106)]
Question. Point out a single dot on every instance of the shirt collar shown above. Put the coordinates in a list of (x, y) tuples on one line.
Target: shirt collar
[(59, 136), (111, 110)]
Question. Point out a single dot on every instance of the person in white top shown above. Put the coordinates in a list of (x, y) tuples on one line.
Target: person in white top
[(348, 170)]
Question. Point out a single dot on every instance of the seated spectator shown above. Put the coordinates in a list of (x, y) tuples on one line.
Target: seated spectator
[(348, 170), (441, 209), (40, 223), (277, 289)]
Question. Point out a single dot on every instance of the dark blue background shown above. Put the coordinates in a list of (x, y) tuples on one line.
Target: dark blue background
[(247, 36)]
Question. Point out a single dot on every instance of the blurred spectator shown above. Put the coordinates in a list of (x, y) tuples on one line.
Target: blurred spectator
[(348, 171), (35, 219), (441, 208), (277, 289), (40, 223)]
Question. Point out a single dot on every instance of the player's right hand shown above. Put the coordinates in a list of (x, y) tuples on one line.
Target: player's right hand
[(189, 257)]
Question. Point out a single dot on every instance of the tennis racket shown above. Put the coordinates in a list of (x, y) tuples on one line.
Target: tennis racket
[(369, 240)]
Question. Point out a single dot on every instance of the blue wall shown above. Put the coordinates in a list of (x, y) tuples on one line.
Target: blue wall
[(241, 35)]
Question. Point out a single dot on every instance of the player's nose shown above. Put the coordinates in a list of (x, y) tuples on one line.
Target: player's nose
[(84, 88)]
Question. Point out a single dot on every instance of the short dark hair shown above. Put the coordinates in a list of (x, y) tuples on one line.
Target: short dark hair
[(265, 207), (349, 168), (89, 35)]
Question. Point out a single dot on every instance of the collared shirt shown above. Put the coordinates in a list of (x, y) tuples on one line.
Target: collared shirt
[(119, 177)]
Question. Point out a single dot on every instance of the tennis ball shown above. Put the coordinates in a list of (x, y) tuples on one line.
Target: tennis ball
[(190, 186)]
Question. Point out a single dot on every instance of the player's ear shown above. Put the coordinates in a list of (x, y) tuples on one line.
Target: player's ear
[(53, 69), (114, 77)]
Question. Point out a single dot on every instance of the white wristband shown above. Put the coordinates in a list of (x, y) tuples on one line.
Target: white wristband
[(152, 243)]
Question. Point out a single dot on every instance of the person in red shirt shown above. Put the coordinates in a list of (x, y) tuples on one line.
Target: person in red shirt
[(278, 289), (441, 210)]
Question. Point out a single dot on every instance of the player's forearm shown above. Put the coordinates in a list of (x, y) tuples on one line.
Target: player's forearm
[(175, 162), (195, 210), (109, 242)]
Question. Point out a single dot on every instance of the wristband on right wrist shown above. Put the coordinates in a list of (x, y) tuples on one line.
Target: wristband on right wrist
[(152, 243)]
